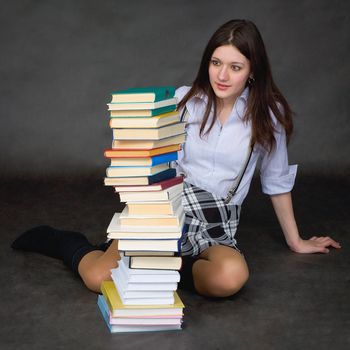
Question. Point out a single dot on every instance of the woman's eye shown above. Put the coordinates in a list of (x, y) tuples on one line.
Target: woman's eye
[(236, 68), (215, 63)]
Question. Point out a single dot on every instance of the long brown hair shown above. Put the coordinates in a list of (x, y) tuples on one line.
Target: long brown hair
[(263, 92)]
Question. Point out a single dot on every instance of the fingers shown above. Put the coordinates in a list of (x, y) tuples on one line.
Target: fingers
[(324, 242)]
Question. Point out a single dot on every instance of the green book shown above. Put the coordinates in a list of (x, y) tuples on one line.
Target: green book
[(144, 94)]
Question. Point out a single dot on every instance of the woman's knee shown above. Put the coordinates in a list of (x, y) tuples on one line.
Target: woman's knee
[(227, 278), (94, 276)]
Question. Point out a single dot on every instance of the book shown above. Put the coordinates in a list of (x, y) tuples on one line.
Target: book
[(145, 276), (117, 308), (116, 231), (171, 245), (148, 144), (147, 208), (138, 153), (145, 122), (132, 171), (140, 180), (126, 106), (143, 94), (126, 219), (121, 284), (144, 253), (141, 113), (125, 264), (153, 320), (142, 196), (149, 134), (119, 276), (145, 161), (156, 262), (158, 186), (126, 328)]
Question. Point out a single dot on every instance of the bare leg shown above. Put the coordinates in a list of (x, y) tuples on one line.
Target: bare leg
[(220, 271), (94, 267)]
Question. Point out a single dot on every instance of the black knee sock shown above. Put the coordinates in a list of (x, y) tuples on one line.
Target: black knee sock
[(186, 281), (68, 246)]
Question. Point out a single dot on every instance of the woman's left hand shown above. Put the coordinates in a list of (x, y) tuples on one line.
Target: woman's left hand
[(315, 245)]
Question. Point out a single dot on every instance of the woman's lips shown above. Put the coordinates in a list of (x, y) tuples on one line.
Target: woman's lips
[(222, 87)]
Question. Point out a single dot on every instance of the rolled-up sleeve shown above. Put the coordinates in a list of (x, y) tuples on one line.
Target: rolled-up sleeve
[(276, 175)]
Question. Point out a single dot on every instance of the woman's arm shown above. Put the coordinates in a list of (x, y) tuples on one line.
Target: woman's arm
[(282, 204)]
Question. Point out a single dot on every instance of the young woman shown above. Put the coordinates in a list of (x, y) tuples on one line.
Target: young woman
[(235, 115)]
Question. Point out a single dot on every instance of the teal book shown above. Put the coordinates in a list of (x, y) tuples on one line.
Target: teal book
[(143, 94)]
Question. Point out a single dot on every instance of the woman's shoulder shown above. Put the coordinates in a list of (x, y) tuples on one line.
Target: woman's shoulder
[(181, 91)]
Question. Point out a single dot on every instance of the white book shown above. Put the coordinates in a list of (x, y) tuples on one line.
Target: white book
[(151, 219), (122, 328), (161, 207), (124, 264), (119, 276), (142, 196), (122, 106), (168, 245), (148, 298), (134, 171), (158, 276), (116, 231)]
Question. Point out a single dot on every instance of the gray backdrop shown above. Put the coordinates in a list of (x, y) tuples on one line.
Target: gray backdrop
[(61, 59)]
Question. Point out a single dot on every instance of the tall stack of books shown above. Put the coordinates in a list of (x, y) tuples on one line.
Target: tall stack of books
[(147, 133)]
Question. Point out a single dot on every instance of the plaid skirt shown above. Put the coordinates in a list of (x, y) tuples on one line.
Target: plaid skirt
[(208, 221)]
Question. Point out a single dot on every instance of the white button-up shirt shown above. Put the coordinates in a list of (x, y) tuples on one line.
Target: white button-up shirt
[(215, 161)]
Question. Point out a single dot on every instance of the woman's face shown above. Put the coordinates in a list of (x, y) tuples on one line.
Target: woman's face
[(228, 73)]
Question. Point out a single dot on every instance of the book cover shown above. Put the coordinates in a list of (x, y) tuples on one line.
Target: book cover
[(146, 161), (143, 94)]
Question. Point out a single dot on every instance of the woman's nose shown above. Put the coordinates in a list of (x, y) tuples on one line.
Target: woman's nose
[(223, 74)]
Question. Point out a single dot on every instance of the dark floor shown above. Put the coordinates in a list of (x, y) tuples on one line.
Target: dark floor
[(291, 301)]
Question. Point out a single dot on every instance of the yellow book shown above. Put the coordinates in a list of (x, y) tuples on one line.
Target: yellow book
[(149, 133), (148, 144), (118, 309), (154, 122)]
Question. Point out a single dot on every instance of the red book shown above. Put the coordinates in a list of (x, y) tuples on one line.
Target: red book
[(158, 186)]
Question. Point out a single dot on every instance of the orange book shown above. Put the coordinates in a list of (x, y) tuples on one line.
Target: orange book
[(139, 153)]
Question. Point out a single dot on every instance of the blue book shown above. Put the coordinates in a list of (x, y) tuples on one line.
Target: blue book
[(144, 161)]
